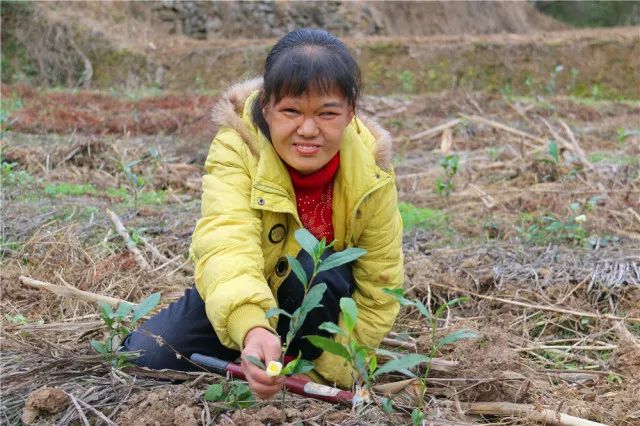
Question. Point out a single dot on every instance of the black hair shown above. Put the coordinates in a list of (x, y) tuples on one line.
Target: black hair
[(307, 59)]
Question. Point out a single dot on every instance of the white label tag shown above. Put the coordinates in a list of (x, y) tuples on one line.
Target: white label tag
[(318, 389)]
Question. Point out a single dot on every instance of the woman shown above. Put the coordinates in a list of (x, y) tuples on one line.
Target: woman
[(290, 153)]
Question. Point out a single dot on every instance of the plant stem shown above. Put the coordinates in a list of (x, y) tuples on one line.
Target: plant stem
[(284, 414), (432, 354)]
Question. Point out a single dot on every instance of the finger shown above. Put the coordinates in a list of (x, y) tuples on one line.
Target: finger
[(259, 376), (271, 351), (263, 390)]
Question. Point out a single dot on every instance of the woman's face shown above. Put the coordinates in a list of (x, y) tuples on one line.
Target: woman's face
[(306, 131)]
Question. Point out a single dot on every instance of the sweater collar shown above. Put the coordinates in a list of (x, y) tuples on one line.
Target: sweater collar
[(317, 179)]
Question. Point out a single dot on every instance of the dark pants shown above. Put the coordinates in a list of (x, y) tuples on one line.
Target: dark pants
[(185, 327)]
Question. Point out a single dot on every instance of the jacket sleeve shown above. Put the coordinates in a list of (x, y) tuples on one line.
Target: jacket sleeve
[(381, 267), (229, 264)]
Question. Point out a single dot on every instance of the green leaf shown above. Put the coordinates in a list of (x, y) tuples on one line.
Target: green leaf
[(306, 240), (290, 367), (297, 366), (303, 366), (360, 361), (417, 417), (552, 149), (398, 293), (330, 346), (123, 310), (297, 269), (373, 363), (387, 405), (340, 258), (387, 353), (18, 319), (402, 363), (349, 312), (423, 309), (312, 300), (214, 392), (276, 311), (107, 312), (450, 304), (242, 395), (146, 306), (99, 347), (331, 328), (255, 361), (458, 335)]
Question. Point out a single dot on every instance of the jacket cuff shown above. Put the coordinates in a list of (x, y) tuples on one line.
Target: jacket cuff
[(243, 319)]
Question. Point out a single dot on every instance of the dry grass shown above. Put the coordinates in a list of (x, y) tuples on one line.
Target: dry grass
[(543, 308)]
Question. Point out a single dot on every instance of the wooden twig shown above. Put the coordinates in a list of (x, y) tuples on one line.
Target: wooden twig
[(568, 347), (154, 251), (538, 307), (81, 415), (487, 199), (95, 411), (131, 246), (573, 147), (434, 131), (446, 141), (576, 147), (530, 412), (506, 128), (176, 376), (70, 291), (399, 343)]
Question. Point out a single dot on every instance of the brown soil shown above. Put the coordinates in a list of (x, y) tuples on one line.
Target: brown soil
[(165, 407), (576, 360)]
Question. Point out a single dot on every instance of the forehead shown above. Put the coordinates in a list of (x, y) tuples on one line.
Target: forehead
[(334, 98)]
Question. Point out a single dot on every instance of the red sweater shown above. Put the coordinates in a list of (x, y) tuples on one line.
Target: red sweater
[(314, 196)]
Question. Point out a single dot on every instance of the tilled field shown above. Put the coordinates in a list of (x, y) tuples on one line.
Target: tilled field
[(539, 226)]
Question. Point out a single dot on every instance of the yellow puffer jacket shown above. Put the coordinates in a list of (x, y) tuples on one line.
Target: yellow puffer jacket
[(249, 216)]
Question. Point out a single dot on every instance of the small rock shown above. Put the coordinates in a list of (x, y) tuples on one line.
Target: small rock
[(43, 400)]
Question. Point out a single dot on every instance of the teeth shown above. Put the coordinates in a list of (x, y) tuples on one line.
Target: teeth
[(307, 148)]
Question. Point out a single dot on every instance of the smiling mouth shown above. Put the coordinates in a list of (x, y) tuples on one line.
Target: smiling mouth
[(306, 148)]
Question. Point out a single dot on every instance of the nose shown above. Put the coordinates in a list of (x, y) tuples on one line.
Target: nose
[(308, 128)]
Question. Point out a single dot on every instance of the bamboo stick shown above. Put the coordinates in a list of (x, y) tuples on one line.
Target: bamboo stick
[(434, 131), (531, 412), (131, 246), (538, 307), (70, 291), (506, 128)]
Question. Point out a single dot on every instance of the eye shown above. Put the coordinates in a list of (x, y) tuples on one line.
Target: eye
[(328, 114), (290, 111)]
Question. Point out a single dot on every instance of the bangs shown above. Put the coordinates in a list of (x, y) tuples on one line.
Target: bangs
[(312, 70)]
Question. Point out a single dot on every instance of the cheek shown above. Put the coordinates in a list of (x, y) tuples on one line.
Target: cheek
[(280, 129), (334, 133)]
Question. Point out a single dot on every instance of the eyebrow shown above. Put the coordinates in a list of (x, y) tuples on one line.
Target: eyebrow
[(332, 104)]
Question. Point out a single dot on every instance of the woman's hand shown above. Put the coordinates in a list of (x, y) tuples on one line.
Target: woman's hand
[(264, 345)]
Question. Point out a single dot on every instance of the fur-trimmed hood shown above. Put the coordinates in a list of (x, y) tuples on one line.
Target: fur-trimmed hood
[(228, 111)]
